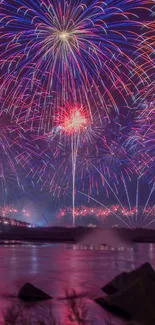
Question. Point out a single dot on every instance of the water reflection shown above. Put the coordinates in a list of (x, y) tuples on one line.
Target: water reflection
[(99, 247), (54, 268)]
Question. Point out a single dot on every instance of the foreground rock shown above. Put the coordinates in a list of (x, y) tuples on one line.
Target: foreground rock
[(136, 301), (116, 284), (113, 309), (30, 293), (132, 295), (125, 279)]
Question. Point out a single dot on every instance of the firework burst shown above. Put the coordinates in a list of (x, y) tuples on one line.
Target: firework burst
[(70, 71), (79, 51)]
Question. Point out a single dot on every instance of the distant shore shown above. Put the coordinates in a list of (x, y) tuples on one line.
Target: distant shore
[(83, 235)]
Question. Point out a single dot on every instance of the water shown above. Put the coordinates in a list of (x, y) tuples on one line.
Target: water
[(55, 268)]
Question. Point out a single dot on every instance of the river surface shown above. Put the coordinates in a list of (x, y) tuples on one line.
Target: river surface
[(56, 268)]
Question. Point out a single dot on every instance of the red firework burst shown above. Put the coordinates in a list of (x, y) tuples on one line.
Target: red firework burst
[(74, 119)]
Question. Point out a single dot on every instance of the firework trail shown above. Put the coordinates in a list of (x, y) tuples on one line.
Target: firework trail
[(131, 216), (78, 51), (16, 150), (140, 141), (66, 148), (8, 168), (73, 122)]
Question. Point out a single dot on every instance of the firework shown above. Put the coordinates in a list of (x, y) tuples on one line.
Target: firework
[(83, 156), (8, 211), (118, 162), (77, 103), (75, 51), (73, 122), (136, 216), (12, 215), (140, 141), (16, 153), (8, 140), (11, 211), (72, 132)]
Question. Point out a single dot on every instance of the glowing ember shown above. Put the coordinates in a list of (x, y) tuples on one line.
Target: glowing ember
[(75, 121)]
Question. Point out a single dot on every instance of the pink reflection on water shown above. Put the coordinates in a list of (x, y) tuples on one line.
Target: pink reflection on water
[(55, 268)]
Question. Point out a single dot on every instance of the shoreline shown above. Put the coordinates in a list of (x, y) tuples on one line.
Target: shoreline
[(78, 235)]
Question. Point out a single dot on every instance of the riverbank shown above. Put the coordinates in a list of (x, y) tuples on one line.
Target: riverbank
[(86, 236)]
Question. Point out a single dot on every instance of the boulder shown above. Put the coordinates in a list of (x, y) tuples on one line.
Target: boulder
[(30, 293), (144, 269), (116, 284), (136, 301), (125, 279), (115, 310)]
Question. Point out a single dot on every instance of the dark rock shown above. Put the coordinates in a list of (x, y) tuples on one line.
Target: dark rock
[(136, 301), (30, 293), (113, 309), (125, 279), (144, 269), (116, 284)]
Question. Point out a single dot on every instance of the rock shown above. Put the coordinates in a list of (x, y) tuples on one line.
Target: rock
[(144, 269), (115, 310), (137, 301), (30, 293), (116, 284), (125, 279)]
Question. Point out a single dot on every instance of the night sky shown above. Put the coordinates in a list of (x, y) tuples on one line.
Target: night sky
[(78, 111)]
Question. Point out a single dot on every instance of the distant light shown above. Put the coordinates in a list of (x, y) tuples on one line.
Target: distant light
[(91, 225)]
